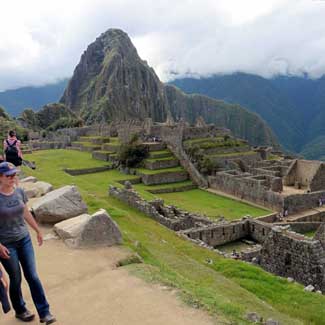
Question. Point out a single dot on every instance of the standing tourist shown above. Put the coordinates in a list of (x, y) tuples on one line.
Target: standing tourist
[(16, 249), (12, 149)]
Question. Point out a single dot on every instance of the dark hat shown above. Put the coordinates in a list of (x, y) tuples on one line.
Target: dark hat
[(6, 169)]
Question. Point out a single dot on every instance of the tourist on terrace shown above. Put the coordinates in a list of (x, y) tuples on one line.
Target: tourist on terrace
[(12, 149), (16, 249)]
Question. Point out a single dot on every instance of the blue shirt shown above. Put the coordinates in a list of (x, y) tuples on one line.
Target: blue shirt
[(12, 222)]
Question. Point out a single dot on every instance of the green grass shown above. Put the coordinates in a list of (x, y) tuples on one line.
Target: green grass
[(310, 234), (237, 245), (218, 142), (212, 205), (160, 159), (229, 289), (114, 140), (155, 154), (106, 152), (244, 153), (143, 189), (159, 171)]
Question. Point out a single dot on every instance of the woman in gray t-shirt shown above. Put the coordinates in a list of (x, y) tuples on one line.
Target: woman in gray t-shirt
[(16, 247)]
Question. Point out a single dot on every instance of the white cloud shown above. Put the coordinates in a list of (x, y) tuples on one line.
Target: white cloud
[(42, 41)]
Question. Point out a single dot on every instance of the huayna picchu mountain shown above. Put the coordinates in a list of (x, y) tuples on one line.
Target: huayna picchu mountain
[(112, 82)]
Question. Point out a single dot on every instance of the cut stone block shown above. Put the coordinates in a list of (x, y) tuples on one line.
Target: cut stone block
[(61, 204)]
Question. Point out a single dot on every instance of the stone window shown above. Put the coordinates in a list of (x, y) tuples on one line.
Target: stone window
[(287, 260)]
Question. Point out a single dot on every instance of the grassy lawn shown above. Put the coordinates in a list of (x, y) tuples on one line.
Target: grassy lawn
[(228, 289), (310, 234), (212, 205)]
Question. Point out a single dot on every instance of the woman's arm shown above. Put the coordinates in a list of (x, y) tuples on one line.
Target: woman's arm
[(3, 278), (31, 221), (18, 145)]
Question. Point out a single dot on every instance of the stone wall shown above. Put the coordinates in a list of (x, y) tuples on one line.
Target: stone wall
[(302, 227), (219, 234), (259, 230), (246, 158), (173, 189), (289, 254), (46, 145), (248, 187), (159, 164), (84, 171), (300, 202), (163, 178), (186, 163), (169, 216), (318, 181), (302, 172)]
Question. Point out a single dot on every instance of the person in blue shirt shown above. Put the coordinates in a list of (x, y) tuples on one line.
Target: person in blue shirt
[(16, 249)]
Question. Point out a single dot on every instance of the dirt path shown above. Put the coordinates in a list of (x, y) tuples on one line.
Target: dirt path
[(84, 287)]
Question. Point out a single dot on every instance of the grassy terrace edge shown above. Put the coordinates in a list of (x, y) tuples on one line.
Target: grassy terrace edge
[(228, 289)]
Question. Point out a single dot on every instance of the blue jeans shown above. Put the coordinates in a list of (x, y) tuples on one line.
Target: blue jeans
[(22, 252)]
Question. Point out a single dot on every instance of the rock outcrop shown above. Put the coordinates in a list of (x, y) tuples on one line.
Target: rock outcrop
[(36, 189), (87, 230), (112, 82), (58, 205)]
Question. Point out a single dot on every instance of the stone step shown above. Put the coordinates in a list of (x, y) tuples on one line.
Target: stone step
[(114, 147), (155, 146), (160, 154), (101, 155), (90, 148), (163, 176), (156, 164), (173, 189), (71, 148), (94, 139)]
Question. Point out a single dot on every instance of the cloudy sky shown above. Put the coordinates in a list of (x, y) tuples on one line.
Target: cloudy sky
[(42, 41)]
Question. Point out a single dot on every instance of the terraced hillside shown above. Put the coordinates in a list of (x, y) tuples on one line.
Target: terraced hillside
[(212, 154), (229, 289)]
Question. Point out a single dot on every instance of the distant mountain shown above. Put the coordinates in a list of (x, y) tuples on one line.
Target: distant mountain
[(294, 107), (15, 101), (112, 82)]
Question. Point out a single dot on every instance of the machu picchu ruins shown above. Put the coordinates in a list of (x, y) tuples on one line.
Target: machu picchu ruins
[(184, 157), (184, 187)]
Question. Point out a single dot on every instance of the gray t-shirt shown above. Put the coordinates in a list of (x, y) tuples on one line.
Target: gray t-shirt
[(12, 222)]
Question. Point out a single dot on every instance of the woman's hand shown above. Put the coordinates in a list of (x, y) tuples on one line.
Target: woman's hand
[(39, 238), (4, 252)]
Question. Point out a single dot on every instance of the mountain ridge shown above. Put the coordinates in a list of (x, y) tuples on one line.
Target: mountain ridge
[(292, 106), (112, 81), (16, 100)]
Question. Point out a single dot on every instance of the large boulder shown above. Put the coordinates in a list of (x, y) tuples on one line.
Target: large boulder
[(61, 204), (29, 179), (98, 229), (71, 228), (36, 189)]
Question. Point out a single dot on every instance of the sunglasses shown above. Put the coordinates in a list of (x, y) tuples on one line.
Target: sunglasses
[(11, 176)]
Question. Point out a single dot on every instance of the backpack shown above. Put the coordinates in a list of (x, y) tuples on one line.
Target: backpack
[(11, 150)]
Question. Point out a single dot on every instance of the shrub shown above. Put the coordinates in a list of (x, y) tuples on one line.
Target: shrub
[(133, 153)]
